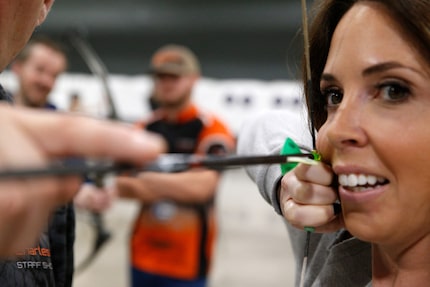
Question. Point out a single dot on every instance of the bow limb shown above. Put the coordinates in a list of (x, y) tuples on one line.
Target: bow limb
[(97, 67)]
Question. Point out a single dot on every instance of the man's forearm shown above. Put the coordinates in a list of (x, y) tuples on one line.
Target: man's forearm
[(197, 186)]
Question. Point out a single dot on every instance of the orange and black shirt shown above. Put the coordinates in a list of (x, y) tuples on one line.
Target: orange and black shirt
[(172, 239)]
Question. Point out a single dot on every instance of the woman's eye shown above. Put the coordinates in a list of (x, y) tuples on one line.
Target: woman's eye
[(394, 91), (333, 96)]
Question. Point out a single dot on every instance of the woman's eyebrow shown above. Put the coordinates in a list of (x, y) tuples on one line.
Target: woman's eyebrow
[(382, 67), (328, 77), (378, 68)]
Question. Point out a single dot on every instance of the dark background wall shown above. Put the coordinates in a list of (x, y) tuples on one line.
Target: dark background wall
[(259, 39)]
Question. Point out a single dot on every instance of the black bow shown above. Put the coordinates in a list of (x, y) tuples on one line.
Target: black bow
[(97, 67)]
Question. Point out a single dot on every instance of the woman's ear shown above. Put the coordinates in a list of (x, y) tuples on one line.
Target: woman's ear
[(46, 6)]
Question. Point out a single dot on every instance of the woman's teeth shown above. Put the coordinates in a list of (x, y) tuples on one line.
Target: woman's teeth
[(360, 181)]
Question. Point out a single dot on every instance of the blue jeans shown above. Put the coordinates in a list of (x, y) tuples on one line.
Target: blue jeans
[(143, 279)]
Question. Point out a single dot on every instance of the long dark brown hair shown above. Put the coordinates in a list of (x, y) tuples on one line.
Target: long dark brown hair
[(412, 15)]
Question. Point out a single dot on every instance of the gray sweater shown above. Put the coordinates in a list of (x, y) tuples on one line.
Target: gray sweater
[(335, 259)]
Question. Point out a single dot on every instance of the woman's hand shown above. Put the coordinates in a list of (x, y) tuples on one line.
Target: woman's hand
[(306, 197)]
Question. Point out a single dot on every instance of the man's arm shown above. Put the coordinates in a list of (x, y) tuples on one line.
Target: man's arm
[(194, 186), (32, 138)]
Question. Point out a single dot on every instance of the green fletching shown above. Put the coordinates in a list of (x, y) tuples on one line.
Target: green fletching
[(290, 147)]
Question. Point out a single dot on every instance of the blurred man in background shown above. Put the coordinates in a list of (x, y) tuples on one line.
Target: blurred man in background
[(75, 103), (38, 68), (173, 235)]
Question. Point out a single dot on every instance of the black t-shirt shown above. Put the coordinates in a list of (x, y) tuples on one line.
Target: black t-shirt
[(32, 267)]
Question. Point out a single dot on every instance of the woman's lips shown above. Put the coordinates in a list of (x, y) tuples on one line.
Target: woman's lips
[(360, 187)]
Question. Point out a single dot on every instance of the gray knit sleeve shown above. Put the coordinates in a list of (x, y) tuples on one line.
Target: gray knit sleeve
[(265, 134)]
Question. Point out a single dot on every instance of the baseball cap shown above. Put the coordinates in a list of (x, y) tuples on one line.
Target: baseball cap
[(174, 59)]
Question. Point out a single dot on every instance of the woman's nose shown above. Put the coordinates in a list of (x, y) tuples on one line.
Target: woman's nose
[(345, 125)]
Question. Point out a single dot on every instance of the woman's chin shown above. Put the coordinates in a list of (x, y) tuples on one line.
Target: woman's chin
[(363, 228)]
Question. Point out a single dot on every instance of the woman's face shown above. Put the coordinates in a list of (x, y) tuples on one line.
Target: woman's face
[(377, 133)]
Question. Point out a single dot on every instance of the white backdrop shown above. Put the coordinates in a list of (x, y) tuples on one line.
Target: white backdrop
[(232, 100)]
